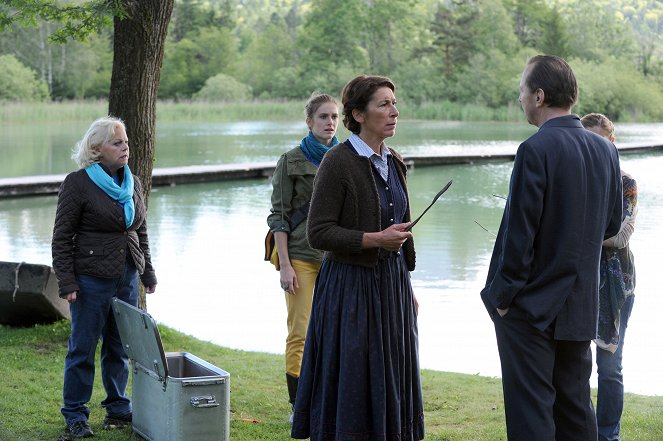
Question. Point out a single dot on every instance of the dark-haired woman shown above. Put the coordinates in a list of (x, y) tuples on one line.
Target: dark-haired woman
[(360, 373)]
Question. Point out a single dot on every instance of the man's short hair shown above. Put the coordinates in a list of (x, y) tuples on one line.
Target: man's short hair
[(555, 77)]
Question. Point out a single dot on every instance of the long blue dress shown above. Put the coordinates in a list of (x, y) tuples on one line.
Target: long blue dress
[(360, 372)]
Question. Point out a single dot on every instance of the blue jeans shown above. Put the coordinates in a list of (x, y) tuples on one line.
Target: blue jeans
[(610, 401), (92, 319)]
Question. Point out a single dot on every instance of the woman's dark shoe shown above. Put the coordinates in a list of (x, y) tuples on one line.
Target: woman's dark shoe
[(292, 382), (117, 421), (79, 429)]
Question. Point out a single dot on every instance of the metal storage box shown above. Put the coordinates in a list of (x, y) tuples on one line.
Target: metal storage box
[(29, 295), (176, 396)]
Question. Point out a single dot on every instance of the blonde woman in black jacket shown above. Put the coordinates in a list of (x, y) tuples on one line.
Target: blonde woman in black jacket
[(100, 248)]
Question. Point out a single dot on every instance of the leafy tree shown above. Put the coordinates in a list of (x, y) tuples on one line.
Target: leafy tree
[(490, 79), (187, 16), (77, 21), (192, 60), (331, 36), (597, 30), (420, 82), (190, 15), (453, 36), (287, 82), (72, 69), (18, 82), (102, 47), (555, 39), (529, 18), (389, 26), (494, 29), (646, 19), (82, 70), (271, 51)]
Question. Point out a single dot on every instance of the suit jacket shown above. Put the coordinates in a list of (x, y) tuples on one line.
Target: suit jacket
[(564, 200)]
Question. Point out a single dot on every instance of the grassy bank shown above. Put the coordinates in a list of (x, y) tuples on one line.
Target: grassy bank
[(458, 407), (168, 111)]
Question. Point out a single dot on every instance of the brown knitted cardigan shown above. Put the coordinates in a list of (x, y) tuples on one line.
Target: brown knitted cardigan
[(345, 204)]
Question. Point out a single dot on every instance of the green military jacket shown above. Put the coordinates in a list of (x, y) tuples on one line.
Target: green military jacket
[(292, 184)]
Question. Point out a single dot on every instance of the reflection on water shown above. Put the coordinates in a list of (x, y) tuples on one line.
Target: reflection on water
[(45, 148), (213, 284)]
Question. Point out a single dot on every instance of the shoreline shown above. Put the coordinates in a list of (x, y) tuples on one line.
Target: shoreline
[(40, 185)]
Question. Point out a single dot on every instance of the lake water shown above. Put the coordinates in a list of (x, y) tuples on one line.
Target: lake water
[(207, 238)]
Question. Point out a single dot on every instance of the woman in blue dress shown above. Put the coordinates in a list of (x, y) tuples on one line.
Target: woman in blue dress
[(360, 373)]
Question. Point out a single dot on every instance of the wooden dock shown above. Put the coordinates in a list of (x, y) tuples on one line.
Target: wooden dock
[(50, 184)]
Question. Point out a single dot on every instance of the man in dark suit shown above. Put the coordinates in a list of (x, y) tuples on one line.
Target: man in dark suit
[(542, 286)]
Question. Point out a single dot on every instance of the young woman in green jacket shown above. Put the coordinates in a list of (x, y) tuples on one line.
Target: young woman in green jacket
[(298, 263)]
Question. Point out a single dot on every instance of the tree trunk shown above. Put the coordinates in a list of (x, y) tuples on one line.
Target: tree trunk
[(138, 47)]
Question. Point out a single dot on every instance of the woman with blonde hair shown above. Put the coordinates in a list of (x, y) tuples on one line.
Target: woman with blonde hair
[(616, 296), (100, 249), (298, 263)]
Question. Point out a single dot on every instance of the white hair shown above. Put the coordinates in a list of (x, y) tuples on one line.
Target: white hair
[(86, 151)]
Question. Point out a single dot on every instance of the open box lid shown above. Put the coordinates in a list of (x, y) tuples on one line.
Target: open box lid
[(141, 339)]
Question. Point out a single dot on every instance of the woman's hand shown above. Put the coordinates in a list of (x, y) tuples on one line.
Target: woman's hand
[(150, 289), (71, 297), (391, 238), (288, 278)]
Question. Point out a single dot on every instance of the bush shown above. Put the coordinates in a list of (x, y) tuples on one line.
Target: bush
[(20, 83), (618, 90), (223, 87)]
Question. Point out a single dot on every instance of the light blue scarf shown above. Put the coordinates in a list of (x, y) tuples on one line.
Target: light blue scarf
[(314, 150), (123, 194)]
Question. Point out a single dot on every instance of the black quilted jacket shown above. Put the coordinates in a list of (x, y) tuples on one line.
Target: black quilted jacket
[(90, 236)]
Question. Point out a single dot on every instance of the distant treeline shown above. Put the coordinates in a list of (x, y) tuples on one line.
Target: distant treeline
[(465, 52)]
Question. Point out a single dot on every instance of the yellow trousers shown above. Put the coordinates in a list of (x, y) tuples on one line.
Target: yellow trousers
[(299, 311)]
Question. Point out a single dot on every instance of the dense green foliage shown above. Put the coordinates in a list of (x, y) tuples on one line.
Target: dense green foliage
[(458, 407), (462, 51), (18, 82)]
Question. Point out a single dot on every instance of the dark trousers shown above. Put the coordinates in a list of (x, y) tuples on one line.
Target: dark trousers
[(545, 383)]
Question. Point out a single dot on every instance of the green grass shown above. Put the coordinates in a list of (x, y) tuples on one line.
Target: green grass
[(458, 407), (273, 110), (56, 111)]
